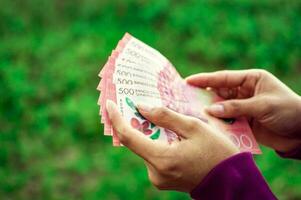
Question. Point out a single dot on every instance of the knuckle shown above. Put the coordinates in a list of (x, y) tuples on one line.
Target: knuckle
[(223, 71), (122, 129), (124, 132), (193, 124), (161, 114), (234, 107), (260, 72)]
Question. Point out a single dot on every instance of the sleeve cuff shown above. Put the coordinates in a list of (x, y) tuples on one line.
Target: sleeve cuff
[(234, 178)]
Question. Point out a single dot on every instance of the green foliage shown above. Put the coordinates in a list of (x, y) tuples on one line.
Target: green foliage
[(51, 142)]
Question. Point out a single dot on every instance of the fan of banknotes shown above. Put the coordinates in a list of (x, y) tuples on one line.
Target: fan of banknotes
[(136, 73)]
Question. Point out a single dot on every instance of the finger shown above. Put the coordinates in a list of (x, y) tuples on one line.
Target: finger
[(166, 118), (130, 137), (224, 79), (235, 108)]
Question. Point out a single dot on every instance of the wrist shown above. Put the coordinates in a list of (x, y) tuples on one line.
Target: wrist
[(298, 130)]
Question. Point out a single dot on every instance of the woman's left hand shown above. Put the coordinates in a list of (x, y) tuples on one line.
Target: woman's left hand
[(184, 163)]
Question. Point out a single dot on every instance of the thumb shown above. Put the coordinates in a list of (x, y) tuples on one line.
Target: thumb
[(235, 108), (166, 118)]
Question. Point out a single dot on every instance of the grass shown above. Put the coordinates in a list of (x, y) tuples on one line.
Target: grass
[(51, 142)]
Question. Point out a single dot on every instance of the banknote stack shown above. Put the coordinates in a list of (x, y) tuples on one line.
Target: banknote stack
[(136, 73)]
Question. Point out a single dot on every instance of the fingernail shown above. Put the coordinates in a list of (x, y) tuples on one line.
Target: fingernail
[(216, 108), (110, 105), (144, 107)]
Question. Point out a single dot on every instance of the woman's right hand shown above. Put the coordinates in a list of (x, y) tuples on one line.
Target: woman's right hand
[(274, 109)]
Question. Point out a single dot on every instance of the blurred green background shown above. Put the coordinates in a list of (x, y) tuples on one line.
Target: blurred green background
[(51, 142)]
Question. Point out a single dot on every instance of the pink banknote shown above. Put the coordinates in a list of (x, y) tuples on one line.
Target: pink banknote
[(136, 73)]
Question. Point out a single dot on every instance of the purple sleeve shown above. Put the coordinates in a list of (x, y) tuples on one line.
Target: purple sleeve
[(234, 178)]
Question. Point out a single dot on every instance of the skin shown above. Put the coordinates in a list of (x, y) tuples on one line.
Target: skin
[(273, 109), (199, 149)]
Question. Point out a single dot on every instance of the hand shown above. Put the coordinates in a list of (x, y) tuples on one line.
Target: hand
[(182, 164), (274, 109)]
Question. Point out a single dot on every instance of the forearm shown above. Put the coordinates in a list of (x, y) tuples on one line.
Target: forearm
[(235, 178), (298, 134)]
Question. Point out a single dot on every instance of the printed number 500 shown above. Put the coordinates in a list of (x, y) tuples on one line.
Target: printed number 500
[(126, 91)]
